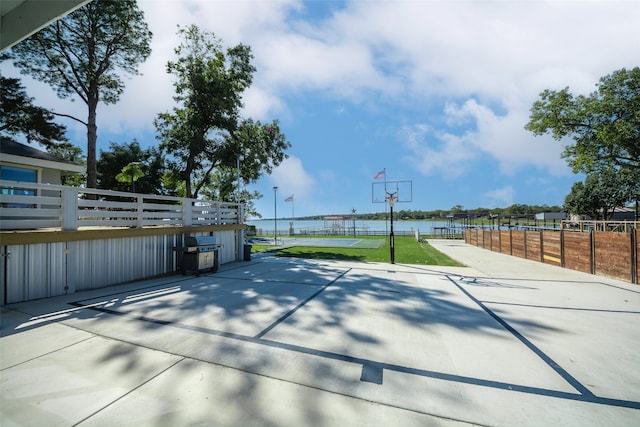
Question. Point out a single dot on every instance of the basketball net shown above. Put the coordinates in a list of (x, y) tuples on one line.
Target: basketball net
[(391, 200)]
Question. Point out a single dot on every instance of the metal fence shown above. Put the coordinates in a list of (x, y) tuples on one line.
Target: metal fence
[(333, 232)]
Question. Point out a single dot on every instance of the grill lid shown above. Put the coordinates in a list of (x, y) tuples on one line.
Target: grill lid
[(200, 240)]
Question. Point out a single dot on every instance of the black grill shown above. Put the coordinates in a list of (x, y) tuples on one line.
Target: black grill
[(200, 253)]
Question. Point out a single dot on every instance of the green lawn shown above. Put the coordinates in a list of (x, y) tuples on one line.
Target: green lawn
[(407, 251)]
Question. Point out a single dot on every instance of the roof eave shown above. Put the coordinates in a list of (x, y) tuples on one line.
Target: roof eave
[(40, 163)]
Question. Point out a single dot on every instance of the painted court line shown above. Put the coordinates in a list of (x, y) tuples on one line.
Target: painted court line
[(297, 307), (548, 360), (372, 370)]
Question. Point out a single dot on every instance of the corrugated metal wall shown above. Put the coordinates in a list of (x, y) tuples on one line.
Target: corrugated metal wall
[(48, 269), (34, 271)]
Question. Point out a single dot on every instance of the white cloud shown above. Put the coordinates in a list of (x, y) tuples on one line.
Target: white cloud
[(500, 196), (295, 62), (489, 48), (261, 104), (487, 60), (493, 50), (327, 175), (442, 153), (291, 178), (504, 138)]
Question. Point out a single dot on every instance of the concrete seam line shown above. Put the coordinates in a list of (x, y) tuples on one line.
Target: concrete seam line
[(130, 391), (49, 352)]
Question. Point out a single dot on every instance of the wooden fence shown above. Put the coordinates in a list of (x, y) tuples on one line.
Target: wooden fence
[(605, 253)]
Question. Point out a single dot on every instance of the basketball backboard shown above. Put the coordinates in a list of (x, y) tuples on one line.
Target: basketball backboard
[(402, 191)]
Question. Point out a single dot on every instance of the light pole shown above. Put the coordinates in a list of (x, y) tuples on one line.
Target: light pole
[(353, 212), (238, 160), (275, 214)]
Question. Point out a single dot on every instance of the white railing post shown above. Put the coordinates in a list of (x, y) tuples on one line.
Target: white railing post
[(69, 208), (140, 212), (241, 233), (187, 214)]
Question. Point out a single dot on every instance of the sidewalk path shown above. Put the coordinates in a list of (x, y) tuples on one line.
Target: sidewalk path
[(291, 342)]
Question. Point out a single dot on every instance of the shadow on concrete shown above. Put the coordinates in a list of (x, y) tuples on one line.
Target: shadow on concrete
[(231, 319)]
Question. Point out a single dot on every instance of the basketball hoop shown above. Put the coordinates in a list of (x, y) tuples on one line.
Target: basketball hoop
[(400, 190), (391, 199)]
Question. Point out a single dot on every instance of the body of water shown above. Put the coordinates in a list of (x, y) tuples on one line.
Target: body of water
[(362, 226)]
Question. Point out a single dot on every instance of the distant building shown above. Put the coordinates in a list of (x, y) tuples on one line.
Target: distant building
[(622, 214), (619, 214), (549, 216), (19, 162), (461, 215)]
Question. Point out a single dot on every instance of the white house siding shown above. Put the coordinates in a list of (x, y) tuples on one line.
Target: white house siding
[(50, 176)]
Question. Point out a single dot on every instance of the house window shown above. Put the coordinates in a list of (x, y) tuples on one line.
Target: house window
[(12, 173)]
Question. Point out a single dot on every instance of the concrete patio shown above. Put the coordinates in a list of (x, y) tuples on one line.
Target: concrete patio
[(291, 342)]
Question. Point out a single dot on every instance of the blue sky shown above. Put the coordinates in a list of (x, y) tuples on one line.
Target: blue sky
[(436, 92)]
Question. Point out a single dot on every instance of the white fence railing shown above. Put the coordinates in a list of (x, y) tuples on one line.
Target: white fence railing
[(35, 206)]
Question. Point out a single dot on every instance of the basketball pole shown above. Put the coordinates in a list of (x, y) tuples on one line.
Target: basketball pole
[(392, 248)]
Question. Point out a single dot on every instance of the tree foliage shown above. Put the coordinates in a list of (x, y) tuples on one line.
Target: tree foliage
[(68, 151), (150, 161), (605, 126), (19, 116), (204, 131), (262, 147), (85, 54), (130, 173), (602, 192), (441, 214), (224, 188)]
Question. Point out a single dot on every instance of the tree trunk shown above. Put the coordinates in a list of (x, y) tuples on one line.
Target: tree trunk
[(187, 180), (188, 188), (92, 137)]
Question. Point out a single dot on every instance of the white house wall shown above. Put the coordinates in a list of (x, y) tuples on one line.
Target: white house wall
[(50, 176)]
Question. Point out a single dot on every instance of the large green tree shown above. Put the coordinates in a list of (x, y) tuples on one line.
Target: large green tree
[(204, 132), (602, 192), (86, 54), (20, 116), (605, 125), (150, 161)]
